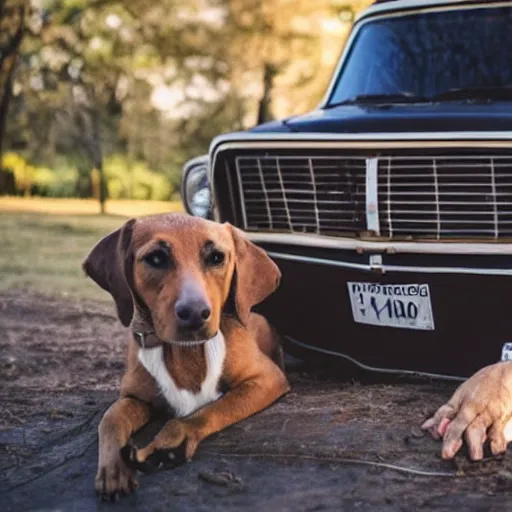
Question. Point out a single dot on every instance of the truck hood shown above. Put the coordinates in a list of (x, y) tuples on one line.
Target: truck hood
[(425, 117)]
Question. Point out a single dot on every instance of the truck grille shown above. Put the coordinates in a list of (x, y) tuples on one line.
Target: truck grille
[(445, 196), (321, 195), (440, 196)]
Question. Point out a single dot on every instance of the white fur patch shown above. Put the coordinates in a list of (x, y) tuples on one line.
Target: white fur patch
[(183, 401), (508, 431)]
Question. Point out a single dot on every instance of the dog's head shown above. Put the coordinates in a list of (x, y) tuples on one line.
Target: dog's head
[(183, 273)]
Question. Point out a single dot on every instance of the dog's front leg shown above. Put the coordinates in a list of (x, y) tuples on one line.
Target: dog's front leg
[(120, 421), (247, 398)]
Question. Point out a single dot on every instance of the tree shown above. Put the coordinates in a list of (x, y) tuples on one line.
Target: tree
[(12, 25), (64, 88), (156, 81)]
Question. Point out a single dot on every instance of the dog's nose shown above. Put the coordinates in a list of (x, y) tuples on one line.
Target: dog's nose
[(192, 315)]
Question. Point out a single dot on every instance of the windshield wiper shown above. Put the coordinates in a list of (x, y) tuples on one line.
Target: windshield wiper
[(381, 99), (503, 93), (476, 93)]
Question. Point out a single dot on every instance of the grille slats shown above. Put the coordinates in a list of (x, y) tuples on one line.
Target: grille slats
[(446, 196), (461, 213), (303, 194), (430, 197)]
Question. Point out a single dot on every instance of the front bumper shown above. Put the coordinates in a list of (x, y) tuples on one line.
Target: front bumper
[(470, 297)]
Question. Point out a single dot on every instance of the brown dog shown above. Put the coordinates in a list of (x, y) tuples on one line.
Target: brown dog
[(186, 287)]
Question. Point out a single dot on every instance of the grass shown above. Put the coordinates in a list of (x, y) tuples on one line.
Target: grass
[(44, 241), (126, 208)]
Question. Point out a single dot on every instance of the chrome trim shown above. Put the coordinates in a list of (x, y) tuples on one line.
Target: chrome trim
[(372, 196), (319, 261), (327, 242), (376, 263), (231, 196), (360, 141), (438, 206), (201, 159), (374, 266), (420, 5), (375, 369), (315, 196), (265, 194), (495, 202), (388, 203), (395, 9), (449, 270), (240, 193)]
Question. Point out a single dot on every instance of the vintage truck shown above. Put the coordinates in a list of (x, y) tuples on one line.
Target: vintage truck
[(389, 207)]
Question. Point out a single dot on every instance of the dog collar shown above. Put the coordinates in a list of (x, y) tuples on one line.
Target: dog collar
[(141, 338)]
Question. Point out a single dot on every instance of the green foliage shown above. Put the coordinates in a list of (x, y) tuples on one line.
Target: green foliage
[(60, 182), (135, 180), (23, 172), (124, 180), (39, 180)]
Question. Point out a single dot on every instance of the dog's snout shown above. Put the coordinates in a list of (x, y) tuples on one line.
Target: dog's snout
[(192, 314)]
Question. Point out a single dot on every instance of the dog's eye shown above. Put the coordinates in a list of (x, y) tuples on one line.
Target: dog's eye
[(157, 259), (214, 258)]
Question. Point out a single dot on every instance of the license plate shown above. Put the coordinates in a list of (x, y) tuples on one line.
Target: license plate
[(404, 306)]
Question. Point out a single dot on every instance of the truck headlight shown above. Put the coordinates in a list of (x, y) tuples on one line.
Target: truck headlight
[(195, 189)]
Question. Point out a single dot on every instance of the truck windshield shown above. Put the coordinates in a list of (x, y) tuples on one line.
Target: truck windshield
[(425, 55)]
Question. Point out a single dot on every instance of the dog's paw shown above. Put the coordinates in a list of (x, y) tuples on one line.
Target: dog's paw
[(160, 459), (115, 479)]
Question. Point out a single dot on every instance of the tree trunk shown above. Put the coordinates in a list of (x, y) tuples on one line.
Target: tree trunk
[(92, 143), (264, 110), (6, 96), (103, 189), (8, 57), (98, 158)]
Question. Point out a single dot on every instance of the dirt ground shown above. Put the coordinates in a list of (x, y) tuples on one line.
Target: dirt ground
[(328, 445)]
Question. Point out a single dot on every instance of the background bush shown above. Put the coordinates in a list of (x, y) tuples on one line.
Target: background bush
[(124, 180)]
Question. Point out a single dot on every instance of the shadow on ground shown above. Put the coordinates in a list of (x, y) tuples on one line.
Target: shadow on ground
[(325, 446)]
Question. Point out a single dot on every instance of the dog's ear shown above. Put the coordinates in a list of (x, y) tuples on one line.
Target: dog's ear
[(255, 276), (107, 265)]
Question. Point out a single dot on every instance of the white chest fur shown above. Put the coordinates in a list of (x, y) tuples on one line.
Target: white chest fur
[(183, 401)]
